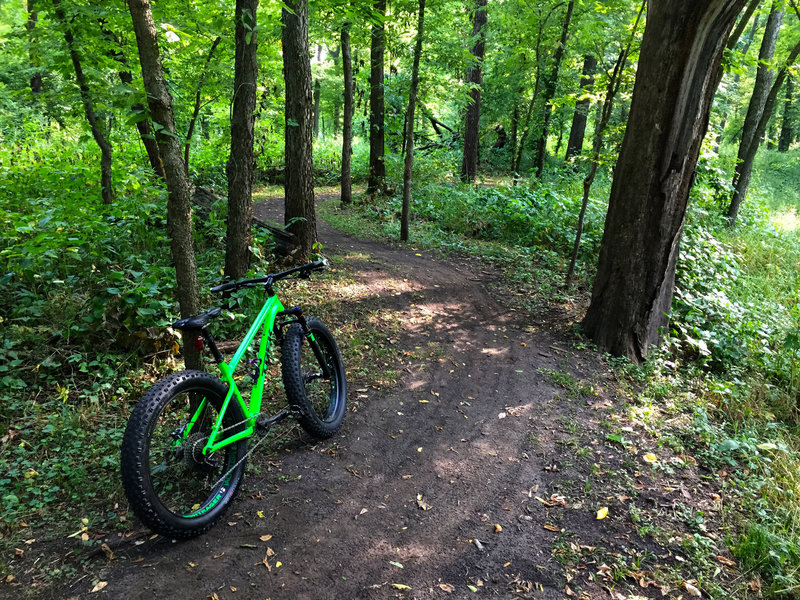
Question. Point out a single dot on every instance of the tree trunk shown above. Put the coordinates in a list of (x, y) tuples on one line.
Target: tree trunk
[(300, 217), (179, 207), (347, 125), (755, 110), (240, 164), (197, 96), (679, 65), (412, 102), (787, 120), (34, 59), (578, 130), (549, 93), (469, 161), (377, 168), (106, 185), (317, 94), (514, 129)]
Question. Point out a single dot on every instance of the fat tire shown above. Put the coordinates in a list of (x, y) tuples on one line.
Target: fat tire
[(136, 456), (325, 421)]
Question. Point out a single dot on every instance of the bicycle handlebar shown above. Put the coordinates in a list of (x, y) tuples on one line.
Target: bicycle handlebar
[(303, 271)]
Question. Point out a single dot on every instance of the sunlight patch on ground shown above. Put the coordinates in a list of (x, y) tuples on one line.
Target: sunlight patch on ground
[(787, 220)]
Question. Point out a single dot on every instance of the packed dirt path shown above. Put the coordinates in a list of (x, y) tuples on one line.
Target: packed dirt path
[(437, 488)]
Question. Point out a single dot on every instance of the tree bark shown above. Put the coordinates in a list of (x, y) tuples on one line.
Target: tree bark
[(412, 102), (179, 208), (469, 161), (347, 125), (578, 130), (755, 110), (106, 185), (197, 96), (143, 127), (240, 164), (787, 120), (679, 65), (300, 217), (377, 168), (549, 93)]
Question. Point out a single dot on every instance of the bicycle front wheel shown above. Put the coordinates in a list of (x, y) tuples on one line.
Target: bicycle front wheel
[(314, 380), (171, 485)]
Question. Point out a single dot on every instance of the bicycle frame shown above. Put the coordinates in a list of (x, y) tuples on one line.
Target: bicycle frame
[(265, 321)]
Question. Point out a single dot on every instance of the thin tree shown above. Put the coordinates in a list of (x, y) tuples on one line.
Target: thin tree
[(751, 137), (197, 101), (787, 119), (469, 161), (300, 216), (679, 65), (549, 92), (179, 207), (240, 164), (100, 136), (578, 129), (412, 101), (377, 168), (347, 124), (34, 60), (612, 88)]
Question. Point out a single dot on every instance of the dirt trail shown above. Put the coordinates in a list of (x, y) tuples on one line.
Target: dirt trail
[(432, 485)]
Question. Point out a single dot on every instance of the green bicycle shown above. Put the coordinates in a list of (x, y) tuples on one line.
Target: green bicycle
[(185, 447)]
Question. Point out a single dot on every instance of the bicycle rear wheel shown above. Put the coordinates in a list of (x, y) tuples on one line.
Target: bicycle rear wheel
[(172, 487), (319, 399)]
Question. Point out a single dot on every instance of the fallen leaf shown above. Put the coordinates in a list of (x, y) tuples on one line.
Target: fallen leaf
[(693, 591), (472, 589), (108, 551), (278, 564), (396, 564), (497, 528), (401, 586), (446, 587), (99, 586), (191, 564), (422, 504), (85, 537), (726, 561), (270, 552), (602, 512), (551, 528), (568, 591), (265, 538), (650, 458), (260, 514)]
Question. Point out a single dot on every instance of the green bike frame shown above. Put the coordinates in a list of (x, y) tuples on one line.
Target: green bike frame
[(265, 321)]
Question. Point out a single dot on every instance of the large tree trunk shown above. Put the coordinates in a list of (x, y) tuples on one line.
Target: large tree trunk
[(197, 97), (347, 125), (412, 101), (240, 164), (755, 110), (377, 168), (469, 161), (578, 130), (787, 120), (549, 92), (679, 65), (100, 138), (179, 207), (300, 216)]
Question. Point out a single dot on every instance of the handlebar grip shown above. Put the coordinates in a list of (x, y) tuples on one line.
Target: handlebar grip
[(224, 287)]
